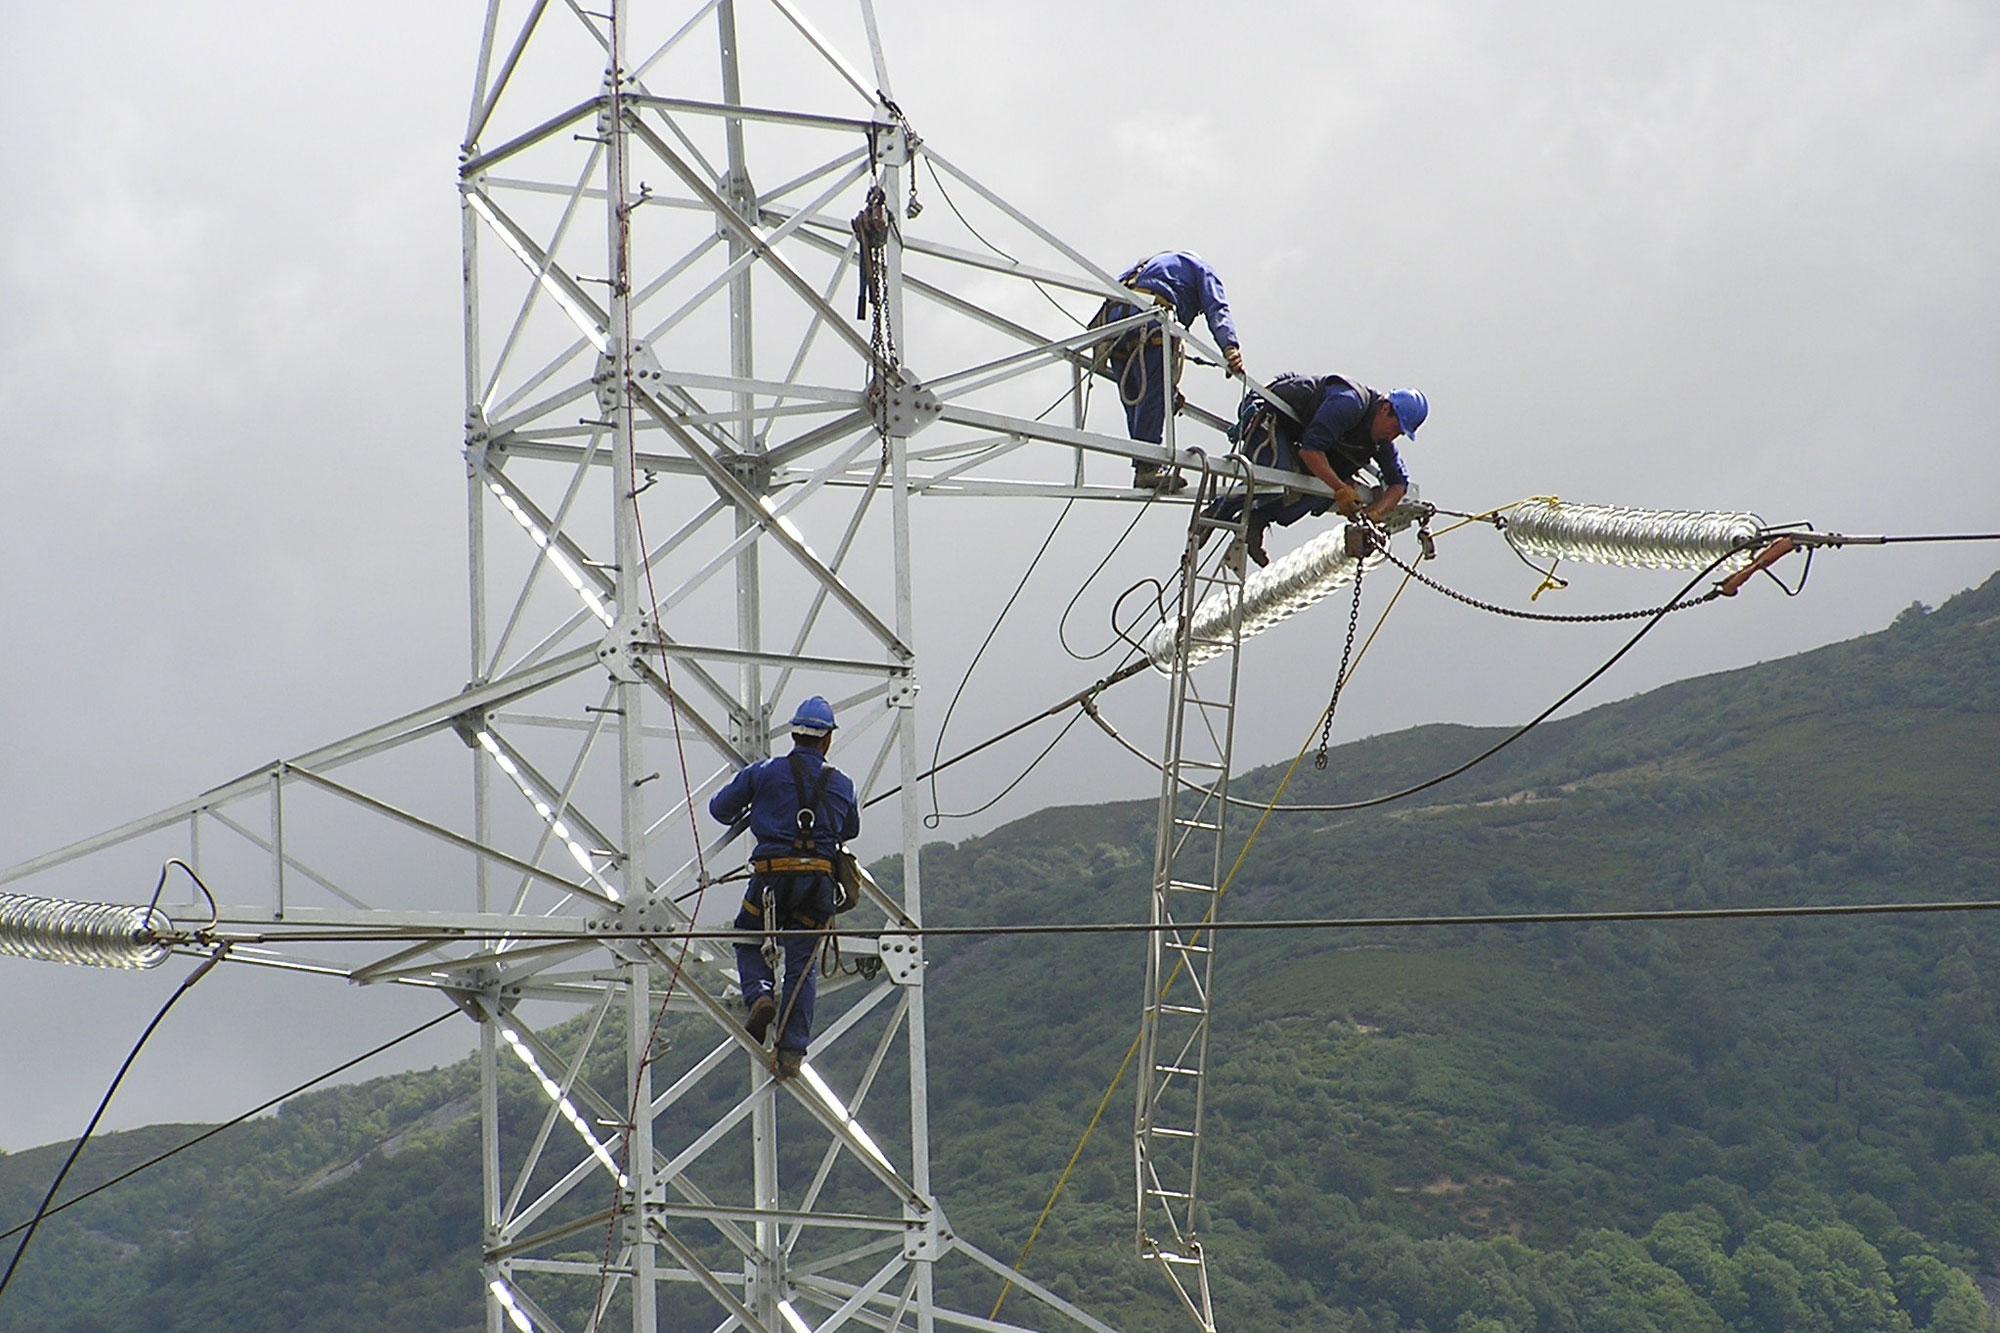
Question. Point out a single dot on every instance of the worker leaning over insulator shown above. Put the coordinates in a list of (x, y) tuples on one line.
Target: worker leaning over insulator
[(1347, 426), (801, 809), (1180, 281)]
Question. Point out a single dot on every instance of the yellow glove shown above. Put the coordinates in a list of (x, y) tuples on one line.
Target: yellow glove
[(1233, 358)]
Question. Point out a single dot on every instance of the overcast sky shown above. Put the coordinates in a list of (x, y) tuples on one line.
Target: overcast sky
[(1720, 256)]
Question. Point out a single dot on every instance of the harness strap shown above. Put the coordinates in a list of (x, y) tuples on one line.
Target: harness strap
[(793, 865), (802, 841)]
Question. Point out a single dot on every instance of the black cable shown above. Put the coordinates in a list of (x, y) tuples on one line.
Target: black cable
[(1842, 539), (256, 1110), (953, 206), (1125, 672), (103, 1105), (988, 743), (1539, 718), (1278, 924), (1134, 668), (1062, 623), (1673, 604), (936, 816), (1159, 614), (1033, 764)]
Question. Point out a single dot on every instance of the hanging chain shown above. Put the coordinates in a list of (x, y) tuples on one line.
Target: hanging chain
[(871, 236), (1340, 681), (1594, 618)]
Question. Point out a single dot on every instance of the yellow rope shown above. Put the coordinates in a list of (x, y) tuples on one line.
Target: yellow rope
[(1062, 1181), (1498, 509), (1070, 1166)]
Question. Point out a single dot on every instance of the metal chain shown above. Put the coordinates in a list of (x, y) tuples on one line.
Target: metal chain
[(871, 233), (1599, 617), (1340, 680)]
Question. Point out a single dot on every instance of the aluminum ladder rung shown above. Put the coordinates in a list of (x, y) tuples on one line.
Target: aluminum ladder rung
[(1200, 737)]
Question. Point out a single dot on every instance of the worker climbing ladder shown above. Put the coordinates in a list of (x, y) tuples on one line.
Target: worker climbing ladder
[(1187, 887)]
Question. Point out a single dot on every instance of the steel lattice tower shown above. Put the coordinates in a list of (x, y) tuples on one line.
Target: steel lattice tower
[(690, 469)]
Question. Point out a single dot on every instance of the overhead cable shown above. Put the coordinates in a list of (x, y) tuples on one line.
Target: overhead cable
[(936, 815), (42, 1211), (1480, 758), (1282, 924), (231, 1123)]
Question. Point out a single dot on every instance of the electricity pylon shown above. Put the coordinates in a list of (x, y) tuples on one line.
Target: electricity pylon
[(690, 467)]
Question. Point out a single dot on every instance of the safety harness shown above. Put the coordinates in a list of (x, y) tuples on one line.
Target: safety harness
[(1264, 436), (1125, 348), (805, 858)]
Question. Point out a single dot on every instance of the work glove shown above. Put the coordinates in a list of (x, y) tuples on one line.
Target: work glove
[(1233, 358), (1346, 501)]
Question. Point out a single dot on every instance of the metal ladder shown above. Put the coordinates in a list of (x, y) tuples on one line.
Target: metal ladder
[(1187, 887)]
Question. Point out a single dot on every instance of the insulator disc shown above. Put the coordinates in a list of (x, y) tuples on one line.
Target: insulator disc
[(1290, 584), (1642, 538), (85, 934)]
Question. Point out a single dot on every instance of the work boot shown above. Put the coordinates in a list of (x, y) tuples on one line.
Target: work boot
[(762, 1010), (1253, 544), (789, 1062), (1152, 477)]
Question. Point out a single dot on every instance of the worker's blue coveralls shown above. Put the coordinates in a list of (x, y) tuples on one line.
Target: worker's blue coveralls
[(804, 902), (1139, 364), (1336, 412)]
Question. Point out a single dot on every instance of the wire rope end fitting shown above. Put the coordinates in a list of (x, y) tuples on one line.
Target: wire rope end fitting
[(1763, 560)]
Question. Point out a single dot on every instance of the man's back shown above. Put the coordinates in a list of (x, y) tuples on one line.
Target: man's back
[(769, 793)]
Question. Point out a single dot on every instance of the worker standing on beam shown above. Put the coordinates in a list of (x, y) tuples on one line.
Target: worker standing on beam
[(1347, 426), (801, 809), (1179, 281)]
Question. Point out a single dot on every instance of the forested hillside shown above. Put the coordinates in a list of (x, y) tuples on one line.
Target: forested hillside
[(1745, 1125)]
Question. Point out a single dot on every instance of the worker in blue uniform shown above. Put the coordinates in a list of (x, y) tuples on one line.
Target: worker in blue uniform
[(800, 809), (1346, 426), (1178, 280)]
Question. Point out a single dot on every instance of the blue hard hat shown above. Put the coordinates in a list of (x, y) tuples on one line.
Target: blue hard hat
[(814, 718), (1411, 407)]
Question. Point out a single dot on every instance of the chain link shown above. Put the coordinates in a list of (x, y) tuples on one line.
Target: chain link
[(871, 233), (1589, 618), (1340, 680)]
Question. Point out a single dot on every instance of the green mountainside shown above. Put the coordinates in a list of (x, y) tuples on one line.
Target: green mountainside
[(1746, 1125)]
